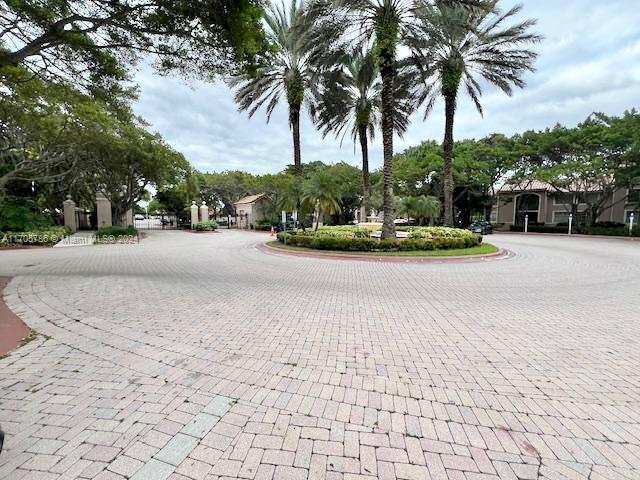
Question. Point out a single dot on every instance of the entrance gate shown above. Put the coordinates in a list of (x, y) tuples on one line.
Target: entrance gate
[(155, 222)]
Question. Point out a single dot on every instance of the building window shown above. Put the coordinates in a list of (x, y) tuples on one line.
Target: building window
[(561, 217), (590, 198), (527, 205), (634, 196)]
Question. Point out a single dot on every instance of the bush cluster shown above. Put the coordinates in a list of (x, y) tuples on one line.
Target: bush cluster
[(263, 222), (540, 228), (46, 236), (612, 231), (209, 226), (116, 231), (264, 225), (439, 232), (344, 231), (352, 239), (18, 215)]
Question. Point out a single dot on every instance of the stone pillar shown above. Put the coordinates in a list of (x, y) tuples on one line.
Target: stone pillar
[(103, 210), (204, 212), (69, 211), (194, 214)]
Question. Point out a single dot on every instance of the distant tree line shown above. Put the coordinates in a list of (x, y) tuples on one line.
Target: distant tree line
[(587, 162)]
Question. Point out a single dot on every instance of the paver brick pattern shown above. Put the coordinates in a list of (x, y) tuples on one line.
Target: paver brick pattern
[(201, 357)]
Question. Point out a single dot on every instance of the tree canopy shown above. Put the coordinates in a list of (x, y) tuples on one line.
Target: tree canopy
[(70, 142), (89, 42)]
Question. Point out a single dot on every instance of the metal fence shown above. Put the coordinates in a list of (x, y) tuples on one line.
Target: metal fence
[(159, 222)]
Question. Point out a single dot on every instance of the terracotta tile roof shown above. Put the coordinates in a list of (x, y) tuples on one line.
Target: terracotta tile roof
[(526, 186), (250, 198), (536, 186)]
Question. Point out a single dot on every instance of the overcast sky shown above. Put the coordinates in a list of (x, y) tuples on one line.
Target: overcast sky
[(589, 61)]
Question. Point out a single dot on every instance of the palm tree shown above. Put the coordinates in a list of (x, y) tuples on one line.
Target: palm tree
[(383, 24), (456, 45), (320, 192), (349, 101), (425, 207), (285, 72)]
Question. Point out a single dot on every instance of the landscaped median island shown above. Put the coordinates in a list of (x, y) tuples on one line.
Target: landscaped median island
[(412, 241)]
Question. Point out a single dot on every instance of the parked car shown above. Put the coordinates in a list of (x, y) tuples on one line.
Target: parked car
[(139, 216), (481, 227)]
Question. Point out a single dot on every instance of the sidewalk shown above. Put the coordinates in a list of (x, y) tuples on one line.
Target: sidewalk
[(78, 239)]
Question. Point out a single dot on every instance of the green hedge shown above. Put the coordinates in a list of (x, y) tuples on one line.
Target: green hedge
[(264, 225), (206, 226), (619, 231), (48, 236), (540, 228), (439, 232), (322, 241), (116, 231), (612, 231), (344, 231)]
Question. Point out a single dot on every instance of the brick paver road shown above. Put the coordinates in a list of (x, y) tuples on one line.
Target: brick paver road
[(201, 357)]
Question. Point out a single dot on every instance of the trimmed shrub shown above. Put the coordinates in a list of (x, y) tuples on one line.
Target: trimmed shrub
[(209, 226), (439, 232), (116, 234), (48, 236), (116, 231), (619, 231), (264, 224), (540, 228), (343, 231)]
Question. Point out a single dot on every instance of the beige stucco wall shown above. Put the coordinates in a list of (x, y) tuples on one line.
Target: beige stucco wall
[(255, 211), (506, 205), (245, 214)]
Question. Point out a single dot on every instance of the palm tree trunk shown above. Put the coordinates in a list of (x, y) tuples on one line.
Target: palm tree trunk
[(450, 110), (387, 74), (317, 215), (366, 186), (294, 118)]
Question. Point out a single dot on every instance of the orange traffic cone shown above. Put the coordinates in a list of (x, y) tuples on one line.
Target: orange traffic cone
[(273, 232)]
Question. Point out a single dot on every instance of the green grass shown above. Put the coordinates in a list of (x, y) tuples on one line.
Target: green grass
[(483, 249)]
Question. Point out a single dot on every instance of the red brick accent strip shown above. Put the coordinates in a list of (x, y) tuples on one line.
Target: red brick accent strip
[(12, 329)]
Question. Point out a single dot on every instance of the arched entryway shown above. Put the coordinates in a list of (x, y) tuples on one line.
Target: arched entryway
[(527, 204)]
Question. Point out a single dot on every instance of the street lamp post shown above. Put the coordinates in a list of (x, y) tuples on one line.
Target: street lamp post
[(570, 222)]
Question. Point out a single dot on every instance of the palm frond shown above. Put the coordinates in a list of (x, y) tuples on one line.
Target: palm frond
[(476, 41)]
